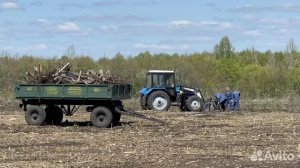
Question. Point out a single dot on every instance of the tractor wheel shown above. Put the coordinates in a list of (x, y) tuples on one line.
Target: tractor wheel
[(54, 115), (194, 103), (35, 115), (143, 102), (159, 101), (101, 117)]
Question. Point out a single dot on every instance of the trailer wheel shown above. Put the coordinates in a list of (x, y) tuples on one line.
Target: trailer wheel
[(159, 101), (194, 103), (143, 102), (54, 115), (101, 117), (35, 115)]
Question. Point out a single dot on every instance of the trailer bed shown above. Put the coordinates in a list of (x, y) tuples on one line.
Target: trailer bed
[(74, 91)]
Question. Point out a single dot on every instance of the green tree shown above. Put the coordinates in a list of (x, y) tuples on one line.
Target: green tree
[(295, 79), (224, 49), (227, 72)]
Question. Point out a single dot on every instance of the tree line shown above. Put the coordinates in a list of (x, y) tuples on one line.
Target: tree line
[(255, 74)]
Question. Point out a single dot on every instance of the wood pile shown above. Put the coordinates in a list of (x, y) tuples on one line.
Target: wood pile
[(64, 75)]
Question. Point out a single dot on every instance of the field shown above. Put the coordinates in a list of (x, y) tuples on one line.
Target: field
[(214, 139)]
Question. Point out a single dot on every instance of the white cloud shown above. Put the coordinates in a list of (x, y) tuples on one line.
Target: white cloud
[(151, 46), (205, 23), (107, 29), (180, 23), (213, 26), (9, 5), (248, 18), (43, 21), (226, 25), (252, 33), (184, 47), (68, 27), (288, 7), (175, 27)]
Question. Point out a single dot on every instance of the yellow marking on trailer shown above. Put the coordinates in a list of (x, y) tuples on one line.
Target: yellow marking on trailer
[(52, 90), (75, 90), (97, 90)]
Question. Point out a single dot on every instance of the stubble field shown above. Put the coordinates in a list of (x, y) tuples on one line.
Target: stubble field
[(213, 139)]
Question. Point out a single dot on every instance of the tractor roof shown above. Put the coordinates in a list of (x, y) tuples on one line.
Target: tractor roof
[(160, 71)]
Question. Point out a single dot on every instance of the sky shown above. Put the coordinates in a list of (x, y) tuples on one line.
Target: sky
[(105, 27)]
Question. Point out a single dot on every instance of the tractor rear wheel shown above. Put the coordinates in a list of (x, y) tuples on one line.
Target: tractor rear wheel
[(194, 103), (159, 101)]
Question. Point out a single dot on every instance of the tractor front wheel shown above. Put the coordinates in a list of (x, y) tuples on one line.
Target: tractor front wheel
[(194, 103), (159, 101)]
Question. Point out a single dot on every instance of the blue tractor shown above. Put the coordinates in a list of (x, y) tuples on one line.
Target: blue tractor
[(161, 92)]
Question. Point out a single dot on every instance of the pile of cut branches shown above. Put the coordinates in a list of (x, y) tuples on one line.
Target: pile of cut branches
[(64, 75)]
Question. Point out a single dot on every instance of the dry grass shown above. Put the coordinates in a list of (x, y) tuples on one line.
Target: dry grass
[(189, 140)]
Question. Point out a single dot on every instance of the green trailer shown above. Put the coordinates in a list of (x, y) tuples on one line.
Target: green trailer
[(47, 103)]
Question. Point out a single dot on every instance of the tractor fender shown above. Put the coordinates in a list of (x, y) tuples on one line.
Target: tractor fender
[(146, 92)]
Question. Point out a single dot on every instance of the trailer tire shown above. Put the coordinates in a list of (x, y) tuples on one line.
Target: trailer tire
[(101, 117), (54, 115), (194, 103), (35, 115), (143, 102), (159, 101)]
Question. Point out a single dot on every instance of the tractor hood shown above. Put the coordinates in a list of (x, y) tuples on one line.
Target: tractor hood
[(195, 91)]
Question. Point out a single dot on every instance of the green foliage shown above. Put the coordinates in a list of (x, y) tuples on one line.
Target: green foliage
[(224, 49), (228, 71), (295, 79), (254, 78)]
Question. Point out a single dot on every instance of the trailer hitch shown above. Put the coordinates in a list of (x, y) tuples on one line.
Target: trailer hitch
[(135, 114)]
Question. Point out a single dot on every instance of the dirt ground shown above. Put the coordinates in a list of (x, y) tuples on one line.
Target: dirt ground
[(214, 139)]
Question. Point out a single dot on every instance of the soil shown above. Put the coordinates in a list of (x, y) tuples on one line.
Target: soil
[(210, 139)]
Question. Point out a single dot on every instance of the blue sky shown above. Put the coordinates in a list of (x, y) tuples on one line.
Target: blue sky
[(105, 27)]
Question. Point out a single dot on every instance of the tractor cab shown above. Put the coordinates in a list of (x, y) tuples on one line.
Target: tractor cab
[(161, 79)]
